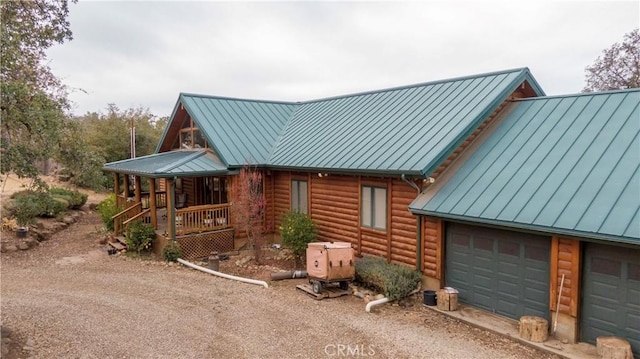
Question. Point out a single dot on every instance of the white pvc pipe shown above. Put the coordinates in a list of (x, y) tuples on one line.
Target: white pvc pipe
[(224, 275), (384, 300), (374, 303)]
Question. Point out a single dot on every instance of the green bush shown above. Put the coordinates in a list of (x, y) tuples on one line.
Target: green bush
[(42, 202), (76, 199), (25, 209), (139, 236), (395, 281), (297, 230), (107, 209), (171, 251)]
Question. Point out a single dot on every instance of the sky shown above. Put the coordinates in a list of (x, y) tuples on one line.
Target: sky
[(143, 54)]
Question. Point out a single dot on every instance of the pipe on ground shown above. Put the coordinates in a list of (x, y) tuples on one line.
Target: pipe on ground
[(374, 303), (289, 275), (385, 300), (223, 275)]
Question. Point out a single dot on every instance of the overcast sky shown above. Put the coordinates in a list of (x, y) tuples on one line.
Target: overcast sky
[(145, 53)]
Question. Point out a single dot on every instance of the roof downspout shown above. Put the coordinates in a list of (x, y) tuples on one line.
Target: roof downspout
[(418, 226), (413, 185)]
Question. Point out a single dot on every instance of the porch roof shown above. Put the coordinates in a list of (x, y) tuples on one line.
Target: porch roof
[(171, 164)]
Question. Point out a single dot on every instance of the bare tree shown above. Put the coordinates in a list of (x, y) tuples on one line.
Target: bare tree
[(618, 67), (249, 208)]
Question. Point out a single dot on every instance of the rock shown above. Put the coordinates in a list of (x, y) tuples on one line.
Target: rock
[(68, 219), (42, 234), (5, 332), (379, 296), (93, 206), (367, 299), (31, 242), (102, 240), (2, 249), (10, 248), (76, 214), (23, 246)]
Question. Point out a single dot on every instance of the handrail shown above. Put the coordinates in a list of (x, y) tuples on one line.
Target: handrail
[(120, 218), (136, 217)]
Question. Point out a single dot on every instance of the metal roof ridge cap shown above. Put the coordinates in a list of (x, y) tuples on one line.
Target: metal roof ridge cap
[(194, 155), (578, 94), (428, 83), (214, 97)]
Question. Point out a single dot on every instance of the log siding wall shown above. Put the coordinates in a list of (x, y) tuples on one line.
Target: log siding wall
[(565, 259), (433, 244), (334, 205)]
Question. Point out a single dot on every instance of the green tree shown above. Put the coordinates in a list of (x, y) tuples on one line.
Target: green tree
[(618, 67), (33, 100), (83, 164), (107, 134)]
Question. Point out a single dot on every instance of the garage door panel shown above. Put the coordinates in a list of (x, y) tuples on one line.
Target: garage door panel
[(501, 271), (611, 296)]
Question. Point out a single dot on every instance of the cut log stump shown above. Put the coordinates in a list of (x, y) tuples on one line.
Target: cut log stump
[(610, 347), (535, 329), (447, 300)]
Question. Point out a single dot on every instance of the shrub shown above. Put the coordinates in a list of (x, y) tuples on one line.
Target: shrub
[(42, 203), (107, 209), (171, 251), (25, 209), (139, 236), (395, 281), (297, 230), (76, 199)]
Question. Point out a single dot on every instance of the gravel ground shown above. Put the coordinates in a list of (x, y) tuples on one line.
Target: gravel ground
[(68, 299)]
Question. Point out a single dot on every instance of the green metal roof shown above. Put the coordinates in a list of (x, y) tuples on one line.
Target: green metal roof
[(240, 131), (567, 165), (407, 130), (170, 164)]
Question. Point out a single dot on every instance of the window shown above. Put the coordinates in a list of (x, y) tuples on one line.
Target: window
[(189, 136), (299, 196), (374, 207)]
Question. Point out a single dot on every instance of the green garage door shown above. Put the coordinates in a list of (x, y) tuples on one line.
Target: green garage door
[(611, 294), (500, 271)]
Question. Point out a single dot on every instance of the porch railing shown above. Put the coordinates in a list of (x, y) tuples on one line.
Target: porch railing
[(120, 218), (161, 200), (121, 201), (202, 218), (142, 216)]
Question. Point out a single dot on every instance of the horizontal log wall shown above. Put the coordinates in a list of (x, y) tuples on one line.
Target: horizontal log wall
[(403, 224), (565, 259), (432, 237), (281, 199), (334, 208)]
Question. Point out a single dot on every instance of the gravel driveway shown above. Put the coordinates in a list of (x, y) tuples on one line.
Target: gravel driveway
[(68, 298)]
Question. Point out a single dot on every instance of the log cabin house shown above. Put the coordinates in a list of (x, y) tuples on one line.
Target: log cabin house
[(357, 163)]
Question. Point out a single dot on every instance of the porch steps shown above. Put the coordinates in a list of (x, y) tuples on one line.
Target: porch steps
[(119, 245)]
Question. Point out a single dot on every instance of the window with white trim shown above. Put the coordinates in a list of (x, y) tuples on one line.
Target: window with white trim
[(373, 207), (299, 196)]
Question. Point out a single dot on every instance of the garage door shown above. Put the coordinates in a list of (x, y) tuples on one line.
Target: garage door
[(611, 294), (500, 271)]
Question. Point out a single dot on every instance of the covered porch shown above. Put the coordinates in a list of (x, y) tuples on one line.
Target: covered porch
[(186, 200)]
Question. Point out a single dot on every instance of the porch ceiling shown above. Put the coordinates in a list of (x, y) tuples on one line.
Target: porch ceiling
[(171, 164)]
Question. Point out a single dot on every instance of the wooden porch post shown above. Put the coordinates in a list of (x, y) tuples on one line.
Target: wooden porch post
[(152, 202), (126, 187), (137, 190), (171, 210), (116, 184)]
